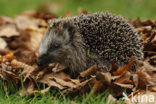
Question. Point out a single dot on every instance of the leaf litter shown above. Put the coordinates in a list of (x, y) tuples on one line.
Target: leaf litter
[(20, 39)]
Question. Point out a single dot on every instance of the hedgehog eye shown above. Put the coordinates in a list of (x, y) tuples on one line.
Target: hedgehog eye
[(54, 46)]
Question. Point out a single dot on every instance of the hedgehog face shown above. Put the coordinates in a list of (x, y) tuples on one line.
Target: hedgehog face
[(56, 44)]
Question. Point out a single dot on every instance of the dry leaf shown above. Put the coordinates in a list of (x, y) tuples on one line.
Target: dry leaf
[(125, 68), (23, 21), (111, 99), (144, 65), (97, 86), (124, 85), (3, 44), (58, 67), (27, 70), (28, 89), (146, 78), (5, 20), (56, 80), (90, 71), (8, 30), (104, 77)]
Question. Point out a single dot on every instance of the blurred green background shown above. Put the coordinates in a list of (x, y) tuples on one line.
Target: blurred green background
[(145, 9)]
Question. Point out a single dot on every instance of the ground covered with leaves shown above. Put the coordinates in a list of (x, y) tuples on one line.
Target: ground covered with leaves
[(19, 42)]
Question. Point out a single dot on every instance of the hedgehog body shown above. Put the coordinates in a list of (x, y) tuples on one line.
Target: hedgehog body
[(87, 39)]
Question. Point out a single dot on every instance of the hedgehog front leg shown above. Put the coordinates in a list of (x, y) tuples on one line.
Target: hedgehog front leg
[(72, 74)]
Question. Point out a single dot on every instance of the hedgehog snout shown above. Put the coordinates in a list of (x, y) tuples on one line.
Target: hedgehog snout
[(43, 60), (39, 62)]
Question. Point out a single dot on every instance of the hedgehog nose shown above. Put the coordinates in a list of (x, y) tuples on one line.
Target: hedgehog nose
[(39, 63)]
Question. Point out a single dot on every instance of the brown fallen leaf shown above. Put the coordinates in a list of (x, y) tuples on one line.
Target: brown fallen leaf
[(22, 56), (56, 80), (152, 89), (111, 100), (5, 20), (7, 57), (106, 78), (35, 39), (23, 21), (90, 71), (58, 68), (81, 87), (125, 68), (146, 66), (3, 44), (4, 51), (51, 83), (124, 85), (6, 73), (136, 23), (96, 87), (28, 88), (63, 83), (145, 79), (38, 91), (27, 70), (9, 30), (152, 60), (124, 78)]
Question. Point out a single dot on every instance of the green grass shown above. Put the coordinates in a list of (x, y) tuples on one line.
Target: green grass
[(9, 94), (48, 99), (145, 9)]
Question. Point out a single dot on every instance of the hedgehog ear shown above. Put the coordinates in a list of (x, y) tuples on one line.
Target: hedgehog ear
[(70, 29)]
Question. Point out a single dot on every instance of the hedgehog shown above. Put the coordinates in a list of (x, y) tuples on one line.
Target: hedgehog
[(79, 42)]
